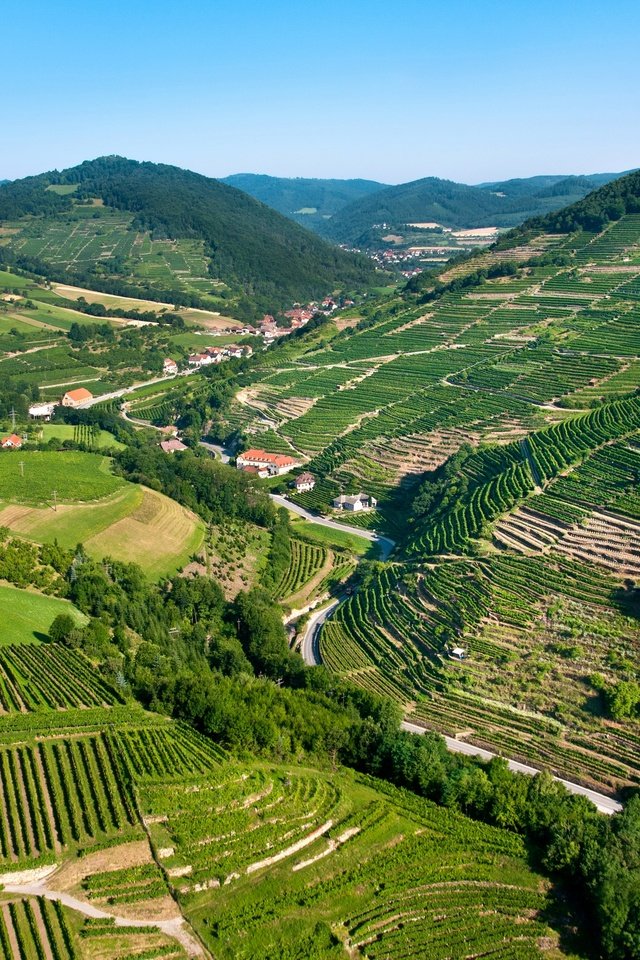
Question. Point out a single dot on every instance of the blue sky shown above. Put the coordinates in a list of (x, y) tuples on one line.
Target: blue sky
[(470, 90)]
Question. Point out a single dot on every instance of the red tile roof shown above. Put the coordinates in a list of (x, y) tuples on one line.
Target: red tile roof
[(279, 459), (78, 395)]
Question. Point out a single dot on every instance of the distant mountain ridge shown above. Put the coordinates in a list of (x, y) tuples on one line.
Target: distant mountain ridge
[(303, 199), (456, 205), (249, 246)]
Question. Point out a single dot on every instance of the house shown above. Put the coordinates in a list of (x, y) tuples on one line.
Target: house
[(42, 411), (169, 367), (305, 482), (233, 351), (12, 442), (275, 463), (173, 446), (75, 398), (261, 472), (169, 431), (198, 359), (355, 502)]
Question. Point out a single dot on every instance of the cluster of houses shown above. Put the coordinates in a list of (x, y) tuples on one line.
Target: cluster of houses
[(217, 354)]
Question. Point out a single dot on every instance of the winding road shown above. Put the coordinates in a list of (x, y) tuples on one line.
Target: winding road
[(385, 544)]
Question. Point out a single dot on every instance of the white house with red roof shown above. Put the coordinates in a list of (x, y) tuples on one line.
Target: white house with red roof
[(275, 463), (169, 367), (74, 398), (12, 442)]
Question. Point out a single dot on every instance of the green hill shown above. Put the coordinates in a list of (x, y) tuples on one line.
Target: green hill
[(456, 205), (306, 200), (494, 413), (119, 224)]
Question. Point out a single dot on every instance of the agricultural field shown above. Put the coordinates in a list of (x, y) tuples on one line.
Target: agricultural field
[(134, 524), (31, 477), (258, 885), (98, 234)]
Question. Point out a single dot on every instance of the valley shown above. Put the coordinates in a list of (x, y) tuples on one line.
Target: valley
[(439, 511)]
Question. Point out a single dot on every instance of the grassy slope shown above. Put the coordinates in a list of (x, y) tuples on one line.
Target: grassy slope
[(74, 475), (26, 616)]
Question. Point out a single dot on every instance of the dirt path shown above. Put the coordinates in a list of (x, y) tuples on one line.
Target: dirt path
[(175, 928)]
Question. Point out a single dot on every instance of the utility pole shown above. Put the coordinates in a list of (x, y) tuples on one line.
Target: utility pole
[(21, 465), (55, 501), (13, 419)]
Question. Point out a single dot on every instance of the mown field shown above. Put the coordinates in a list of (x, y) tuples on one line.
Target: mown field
[(110, 517)]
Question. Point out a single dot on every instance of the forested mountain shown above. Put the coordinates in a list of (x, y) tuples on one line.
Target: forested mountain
[(549, 185), (304, 199), (241, 242), (457, 205)]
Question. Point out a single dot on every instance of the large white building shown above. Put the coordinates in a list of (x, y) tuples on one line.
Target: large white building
[(42, 411), (275, 463)]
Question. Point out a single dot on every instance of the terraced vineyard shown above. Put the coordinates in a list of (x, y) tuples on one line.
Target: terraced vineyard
[(307, 560), (538, 373), (340, 865)]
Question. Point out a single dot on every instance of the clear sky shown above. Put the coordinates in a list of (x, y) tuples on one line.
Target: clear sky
[(469, 90)]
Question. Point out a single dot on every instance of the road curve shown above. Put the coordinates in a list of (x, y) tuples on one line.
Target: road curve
[(309, 647), (603, 803), (176, 927), (385, 544)]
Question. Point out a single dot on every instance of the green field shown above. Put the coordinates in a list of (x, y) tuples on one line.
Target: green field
[(26, 616), (132, 524), (31, 477), (317, 533), (66, 431)]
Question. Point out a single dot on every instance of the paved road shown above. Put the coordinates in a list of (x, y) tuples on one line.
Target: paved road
[(309, 647), (126, 390), (603, 803), (310, 651), (220, 452), (386, 544)]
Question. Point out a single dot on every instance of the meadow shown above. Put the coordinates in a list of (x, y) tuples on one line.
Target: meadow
[(26, 615), (32, 476)]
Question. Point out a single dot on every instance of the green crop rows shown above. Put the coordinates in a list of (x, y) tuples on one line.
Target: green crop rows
[(49, 677)]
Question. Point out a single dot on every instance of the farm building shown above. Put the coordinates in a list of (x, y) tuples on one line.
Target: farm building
[(261, 472), (170, 367), (12, 442), (74, 398), (355, 502), (275, 463), (305, 482), (42, 411), (173, 446)]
